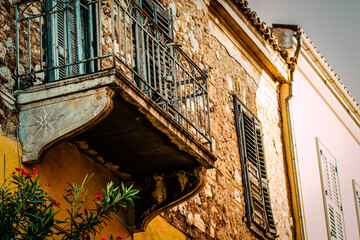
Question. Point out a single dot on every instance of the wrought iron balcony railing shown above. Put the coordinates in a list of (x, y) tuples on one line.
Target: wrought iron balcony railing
[(62, 39)]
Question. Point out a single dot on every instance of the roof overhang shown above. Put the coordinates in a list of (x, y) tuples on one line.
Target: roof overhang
[(252, 38)]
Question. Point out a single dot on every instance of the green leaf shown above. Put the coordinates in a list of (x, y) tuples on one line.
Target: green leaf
[(67, 199)]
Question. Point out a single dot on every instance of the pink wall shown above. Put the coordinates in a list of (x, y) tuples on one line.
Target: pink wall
[(313, 117)]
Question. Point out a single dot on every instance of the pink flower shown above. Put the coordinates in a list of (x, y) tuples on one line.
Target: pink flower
[(85, 235), (102, 238), (48, 184), (25, 173), (55, 203), (119, 237), (98, 196), (34, 171)]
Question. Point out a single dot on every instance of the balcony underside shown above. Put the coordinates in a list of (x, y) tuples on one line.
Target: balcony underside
[(129, 139), (125, 127)]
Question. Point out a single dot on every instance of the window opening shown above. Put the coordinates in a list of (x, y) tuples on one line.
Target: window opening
[(259, 215)]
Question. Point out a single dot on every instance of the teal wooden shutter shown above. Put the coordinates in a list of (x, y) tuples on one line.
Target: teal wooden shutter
[(331, 193), (56, 39), (74, 48), (88, 41), (259, 215), (159, 14), (69, 41), (253, 175), (265, 182)]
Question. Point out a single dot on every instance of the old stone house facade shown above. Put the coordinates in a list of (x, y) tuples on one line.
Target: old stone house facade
[(181, 98)]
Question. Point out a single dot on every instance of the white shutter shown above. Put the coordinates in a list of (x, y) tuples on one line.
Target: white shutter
[(356, 188), (331, 193)]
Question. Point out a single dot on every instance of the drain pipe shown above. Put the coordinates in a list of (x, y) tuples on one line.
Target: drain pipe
[(300, 229)]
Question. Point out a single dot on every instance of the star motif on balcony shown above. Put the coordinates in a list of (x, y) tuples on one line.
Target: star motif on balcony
[(45, 122)]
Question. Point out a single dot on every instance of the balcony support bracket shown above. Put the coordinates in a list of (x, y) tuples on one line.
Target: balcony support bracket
[(160, 192), (46, 122)]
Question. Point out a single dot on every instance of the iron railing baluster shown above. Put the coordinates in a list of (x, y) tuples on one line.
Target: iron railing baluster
[(125, 38), (113, 34), (186, 107), (195, 109), (29, 46), (99, 35), (148, 78), (41, 43), (66, 69), (17, 45), (119, 30)]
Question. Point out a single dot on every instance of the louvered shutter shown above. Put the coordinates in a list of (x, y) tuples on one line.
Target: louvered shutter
[(257, 197), (356, 188), (265, 183), (68, 38), (88, 31), (251, 161), (56, 39), (74, 46), (331, 193), (61, 38), (159, 14)]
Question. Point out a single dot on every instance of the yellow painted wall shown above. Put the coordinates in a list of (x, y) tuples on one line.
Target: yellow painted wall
[(8, 147), (65, 163), (160, 229)]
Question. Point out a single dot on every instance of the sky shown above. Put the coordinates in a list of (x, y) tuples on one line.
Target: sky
[(332, 25)]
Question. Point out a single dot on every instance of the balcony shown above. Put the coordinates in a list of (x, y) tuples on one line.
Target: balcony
[(108, 73)]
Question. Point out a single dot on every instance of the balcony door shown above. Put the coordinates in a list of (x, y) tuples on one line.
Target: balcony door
[(153, 63), (70, 38)]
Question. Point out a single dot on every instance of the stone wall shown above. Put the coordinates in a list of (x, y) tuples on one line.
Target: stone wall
[(8, 119), (218, 210)]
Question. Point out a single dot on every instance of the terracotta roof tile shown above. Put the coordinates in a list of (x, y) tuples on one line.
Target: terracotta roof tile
[(264, 30)]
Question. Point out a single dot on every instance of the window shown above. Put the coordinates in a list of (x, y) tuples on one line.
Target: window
[(70, 38), (356, 188), (259, 216), (331, 193)]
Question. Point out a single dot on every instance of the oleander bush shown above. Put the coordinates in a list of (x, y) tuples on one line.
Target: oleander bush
[(27, 212)]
